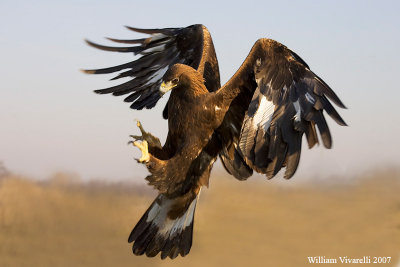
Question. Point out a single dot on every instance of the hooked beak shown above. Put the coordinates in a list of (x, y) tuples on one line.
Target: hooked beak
[(166, 86)]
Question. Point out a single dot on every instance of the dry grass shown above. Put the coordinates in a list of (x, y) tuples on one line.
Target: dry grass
[(66, 223)]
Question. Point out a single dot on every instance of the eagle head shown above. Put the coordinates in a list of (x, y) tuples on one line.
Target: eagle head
[(182, 76)]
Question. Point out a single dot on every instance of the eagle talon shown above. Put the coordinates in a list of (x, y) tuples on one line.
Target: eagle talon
[(136, 137), (146, 136), (143, 146)]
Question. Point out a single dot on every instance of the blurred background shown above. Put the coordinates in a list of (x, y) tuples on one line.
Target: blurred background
[(71, 191), (63, 222)]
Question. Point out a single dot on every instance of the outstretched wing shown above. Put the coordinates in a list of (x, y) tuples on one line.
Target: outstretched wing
[(163, 48), (284, 100)]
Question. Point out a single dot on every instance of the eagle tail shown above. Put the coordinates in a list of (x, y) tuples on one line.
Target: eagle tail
[(166, 227)]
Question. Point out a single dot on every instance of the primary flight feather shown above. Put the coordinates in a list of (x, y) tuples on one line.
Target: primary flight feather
[(254, 122)]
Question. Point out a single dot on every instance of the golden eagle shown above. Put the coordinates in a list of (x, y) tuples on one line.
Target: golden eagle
[(254, 122)]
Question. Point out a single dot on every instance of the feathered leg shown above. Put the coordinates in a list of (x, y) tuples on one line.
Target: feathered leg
[(149, 145)]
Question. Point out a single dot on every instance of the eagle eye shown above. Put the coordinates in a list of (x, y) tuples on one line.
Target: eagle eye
[(175, 80)]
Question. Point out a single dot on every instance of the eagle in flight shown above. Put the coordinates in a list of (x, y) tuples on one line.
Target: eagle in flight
[(255, 122)]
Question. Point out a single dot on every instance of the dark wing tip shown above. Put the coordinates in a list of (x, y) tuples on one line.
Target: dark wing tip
[(340, 104), (146, 31), (133, 41), (342, 122), (332, 95), (132, 28), (328, 92), (90, 43), (112, 39), (112, 48), (287, 176), (88, 71), (100, 91)]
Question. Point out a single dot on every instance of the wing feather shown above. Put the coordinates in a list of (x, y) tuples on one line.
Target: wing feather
[(134, 49), (165, 31), (131, 41), (311, 135)]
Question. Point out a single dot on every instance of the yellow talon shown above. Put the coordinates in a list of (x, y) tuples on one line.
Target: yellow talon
[(144, 148)]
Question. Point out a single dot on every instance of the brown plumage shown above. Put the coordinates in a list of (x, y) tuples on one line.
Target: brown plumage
[(254, 122)]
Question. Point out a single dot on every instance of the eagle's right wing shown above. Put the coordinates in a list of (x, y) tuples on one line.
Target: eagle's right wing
[(163, 48), (280, 100)]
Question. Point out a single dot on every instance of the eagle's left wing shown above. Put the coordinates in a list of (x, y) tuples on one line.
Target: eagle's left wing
[(281, 99), (165, 47)]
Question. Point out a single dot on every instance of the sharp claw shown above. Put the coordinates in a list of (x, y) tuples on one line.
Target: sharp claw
[(135, 138), (148, 137)]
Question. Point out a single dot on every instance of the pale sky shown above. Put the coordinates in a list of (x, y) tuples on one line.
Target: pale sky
[(52, 121)]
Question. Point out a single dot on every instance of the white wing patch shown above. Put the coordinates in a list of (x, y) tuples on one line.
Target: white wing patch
[(157, 36), (158, 48), (310, 98), (252, 124), (263, 115), (297, 116)]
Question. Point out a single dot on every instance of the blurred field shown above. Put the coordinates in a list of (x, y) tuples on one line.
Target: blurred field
[(63, 222)]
